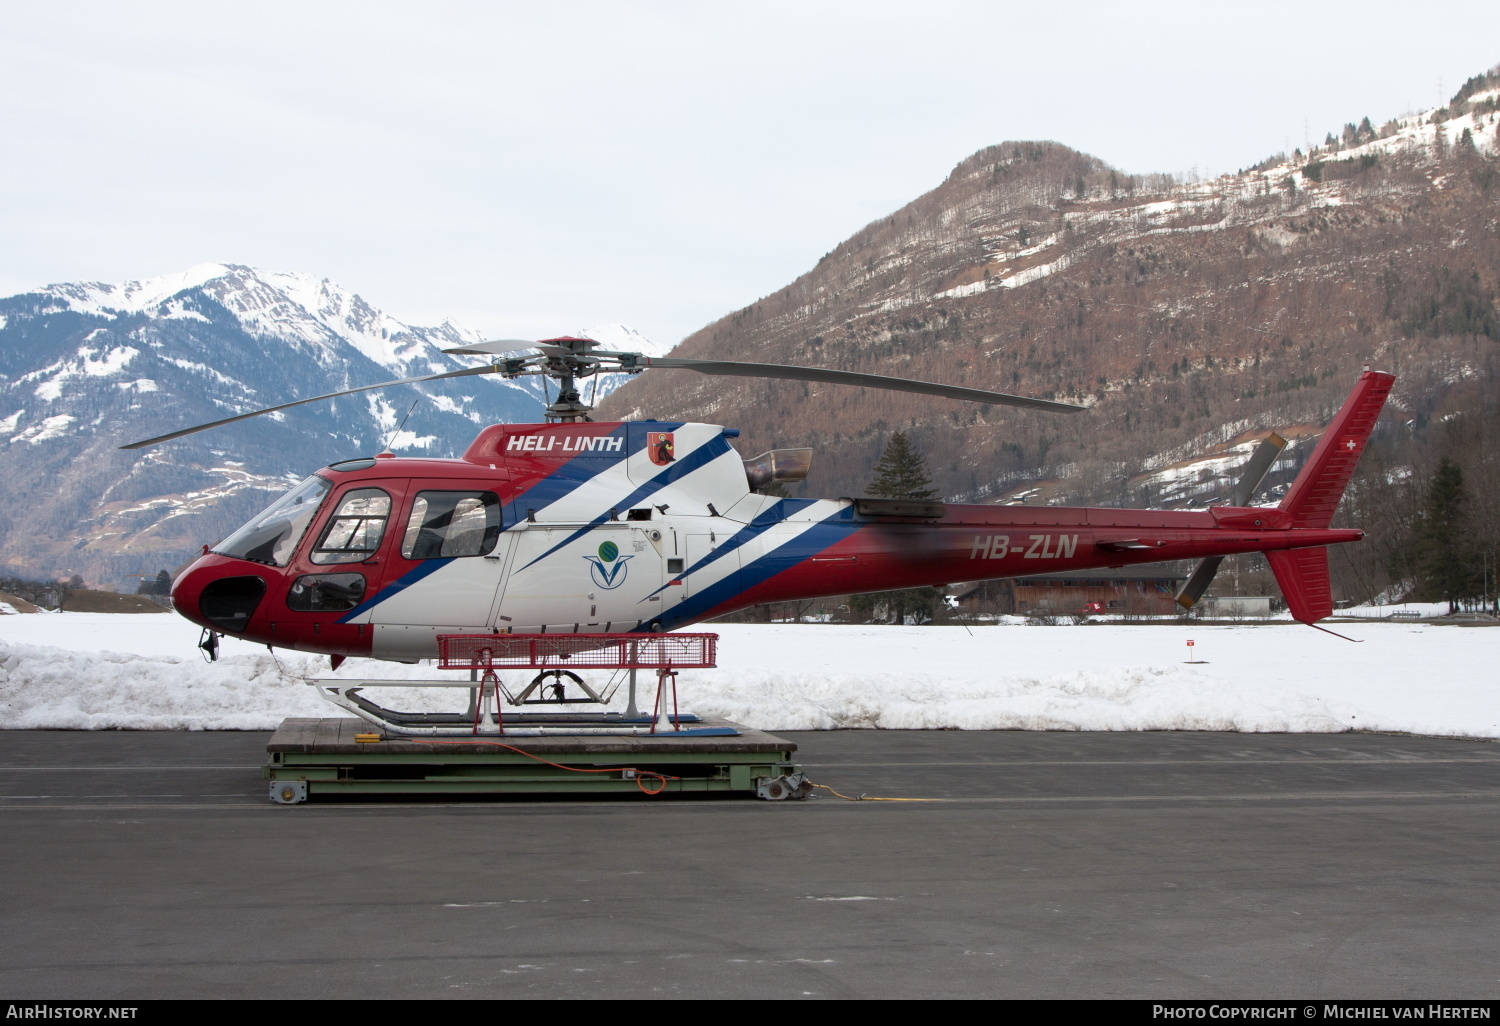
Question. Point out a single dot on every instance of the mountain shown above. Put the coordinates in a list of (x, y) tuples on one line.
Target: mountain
[(85, 367), (1191, 316)]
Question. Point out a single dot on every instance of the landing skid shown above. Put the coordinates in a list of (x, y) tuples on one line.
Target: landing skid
[(346, 695), (485, 656)]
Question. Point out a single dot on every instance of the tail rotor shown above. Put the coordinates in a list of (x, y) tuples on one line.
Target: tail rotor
[(1251, 477), (1309, 503)]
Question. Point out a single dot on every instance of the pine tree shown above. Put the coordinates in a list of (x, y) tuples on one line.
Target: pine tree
[(163, 583), (1445, 556), (900, 474)]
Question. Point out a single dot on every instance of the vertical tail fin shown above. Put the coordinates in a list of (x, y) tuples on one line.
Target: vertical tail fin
[(1316, 493)]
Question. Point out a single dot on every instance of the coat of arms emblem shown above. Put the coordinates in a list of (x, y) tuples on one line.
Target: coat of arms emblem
[(660, 448)]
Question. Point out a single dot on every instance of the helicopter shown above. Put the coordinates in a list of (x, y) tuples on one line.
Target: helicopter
[(576, 526)]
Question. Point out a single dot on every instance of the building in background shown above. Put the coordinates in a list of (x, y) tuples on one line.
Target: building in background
[(1144, 590), (1239, 606)]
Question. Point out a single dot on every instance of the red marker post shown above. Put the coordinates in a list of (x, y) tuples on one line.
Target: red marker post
[(1190, 652)]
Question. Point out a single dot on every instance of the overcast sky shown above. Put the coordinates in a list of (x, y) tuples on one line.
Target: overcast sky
[(532, 168)]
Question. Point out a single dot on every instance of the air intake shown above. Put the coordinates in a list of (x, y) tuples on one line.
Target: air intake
[(229, 602)]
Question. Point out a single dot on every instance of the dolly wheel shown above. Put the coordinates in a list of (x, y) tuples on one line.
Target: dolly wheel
[(288, 792), (791, 786)]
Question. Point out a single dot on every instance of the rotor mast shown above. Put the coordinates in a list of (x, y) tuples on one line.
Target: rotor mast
[(568, 359)]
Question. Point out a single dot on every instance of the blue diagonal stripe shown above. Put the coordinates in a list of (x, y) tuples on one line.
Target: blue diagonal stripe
[(773, 515), (675, 471), (809, 543), (401, 583)]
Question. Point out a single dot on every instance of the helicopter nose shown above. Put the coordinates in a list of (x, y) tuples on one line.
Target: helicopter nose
[(220, 597)]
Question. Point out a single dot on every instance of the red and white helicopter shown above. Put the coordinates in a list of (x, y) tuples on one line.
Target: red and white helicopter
[(577, 526)]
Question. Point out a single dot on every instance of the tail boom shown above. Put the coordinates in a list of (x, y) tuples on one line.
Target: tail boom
[(864, 551)]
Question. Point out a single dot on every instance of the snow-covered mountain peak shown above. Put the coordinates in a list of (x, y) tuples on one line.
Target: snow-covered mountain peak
[(302, 308), (139, 296), (284, 305), (137, 358), (291, 305)]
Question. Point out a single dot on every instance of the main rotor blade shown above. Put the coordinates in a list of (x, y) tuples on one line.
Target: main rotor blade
[(493, 347), (317, 398), (1256, 469), (838, 377)]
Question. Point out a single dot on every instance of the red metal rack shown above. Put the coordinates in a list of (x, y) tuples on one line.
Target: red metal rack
[(613, 651)]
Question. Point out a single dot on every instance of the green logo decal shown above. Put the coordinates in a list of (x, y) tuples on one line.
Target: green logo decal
[(609, 568)]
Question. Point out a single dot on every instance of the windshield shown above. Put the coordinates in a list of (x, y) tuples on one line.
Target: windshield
[(272, 536)]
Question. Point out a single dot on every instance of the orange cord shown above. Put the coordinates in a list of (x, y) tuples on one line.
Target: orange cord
[(640, 774), (867, 798)]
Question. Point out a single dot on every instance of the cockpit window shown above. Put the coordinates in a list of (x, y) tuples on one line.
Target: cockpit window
[(444, 524), (272, 537), (355, 529)]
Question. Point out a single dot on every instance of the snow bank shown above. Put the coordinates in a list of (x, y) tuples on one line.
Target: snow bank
[(53, 688), (1125, 698), (101, 671)]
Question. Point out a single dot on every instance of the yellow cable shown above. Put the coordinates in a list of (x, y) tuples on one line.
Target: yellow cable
[(867, 798)]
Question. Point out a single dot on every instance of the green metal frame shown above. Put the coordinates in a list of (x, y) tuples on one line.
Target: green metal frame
[(373, 768), (482, 772)]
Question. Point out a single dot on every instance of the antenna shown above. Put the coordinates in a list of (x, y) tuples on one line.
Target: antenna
[(392, 437)]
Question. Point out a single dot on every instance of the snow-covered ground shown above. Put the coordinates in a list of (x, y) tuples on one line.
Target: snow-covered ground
[(100, 670)]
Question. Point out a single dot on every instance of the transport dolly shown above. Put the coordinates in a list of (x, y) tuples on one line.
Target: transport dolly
[(487, 750), (316, 758)]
